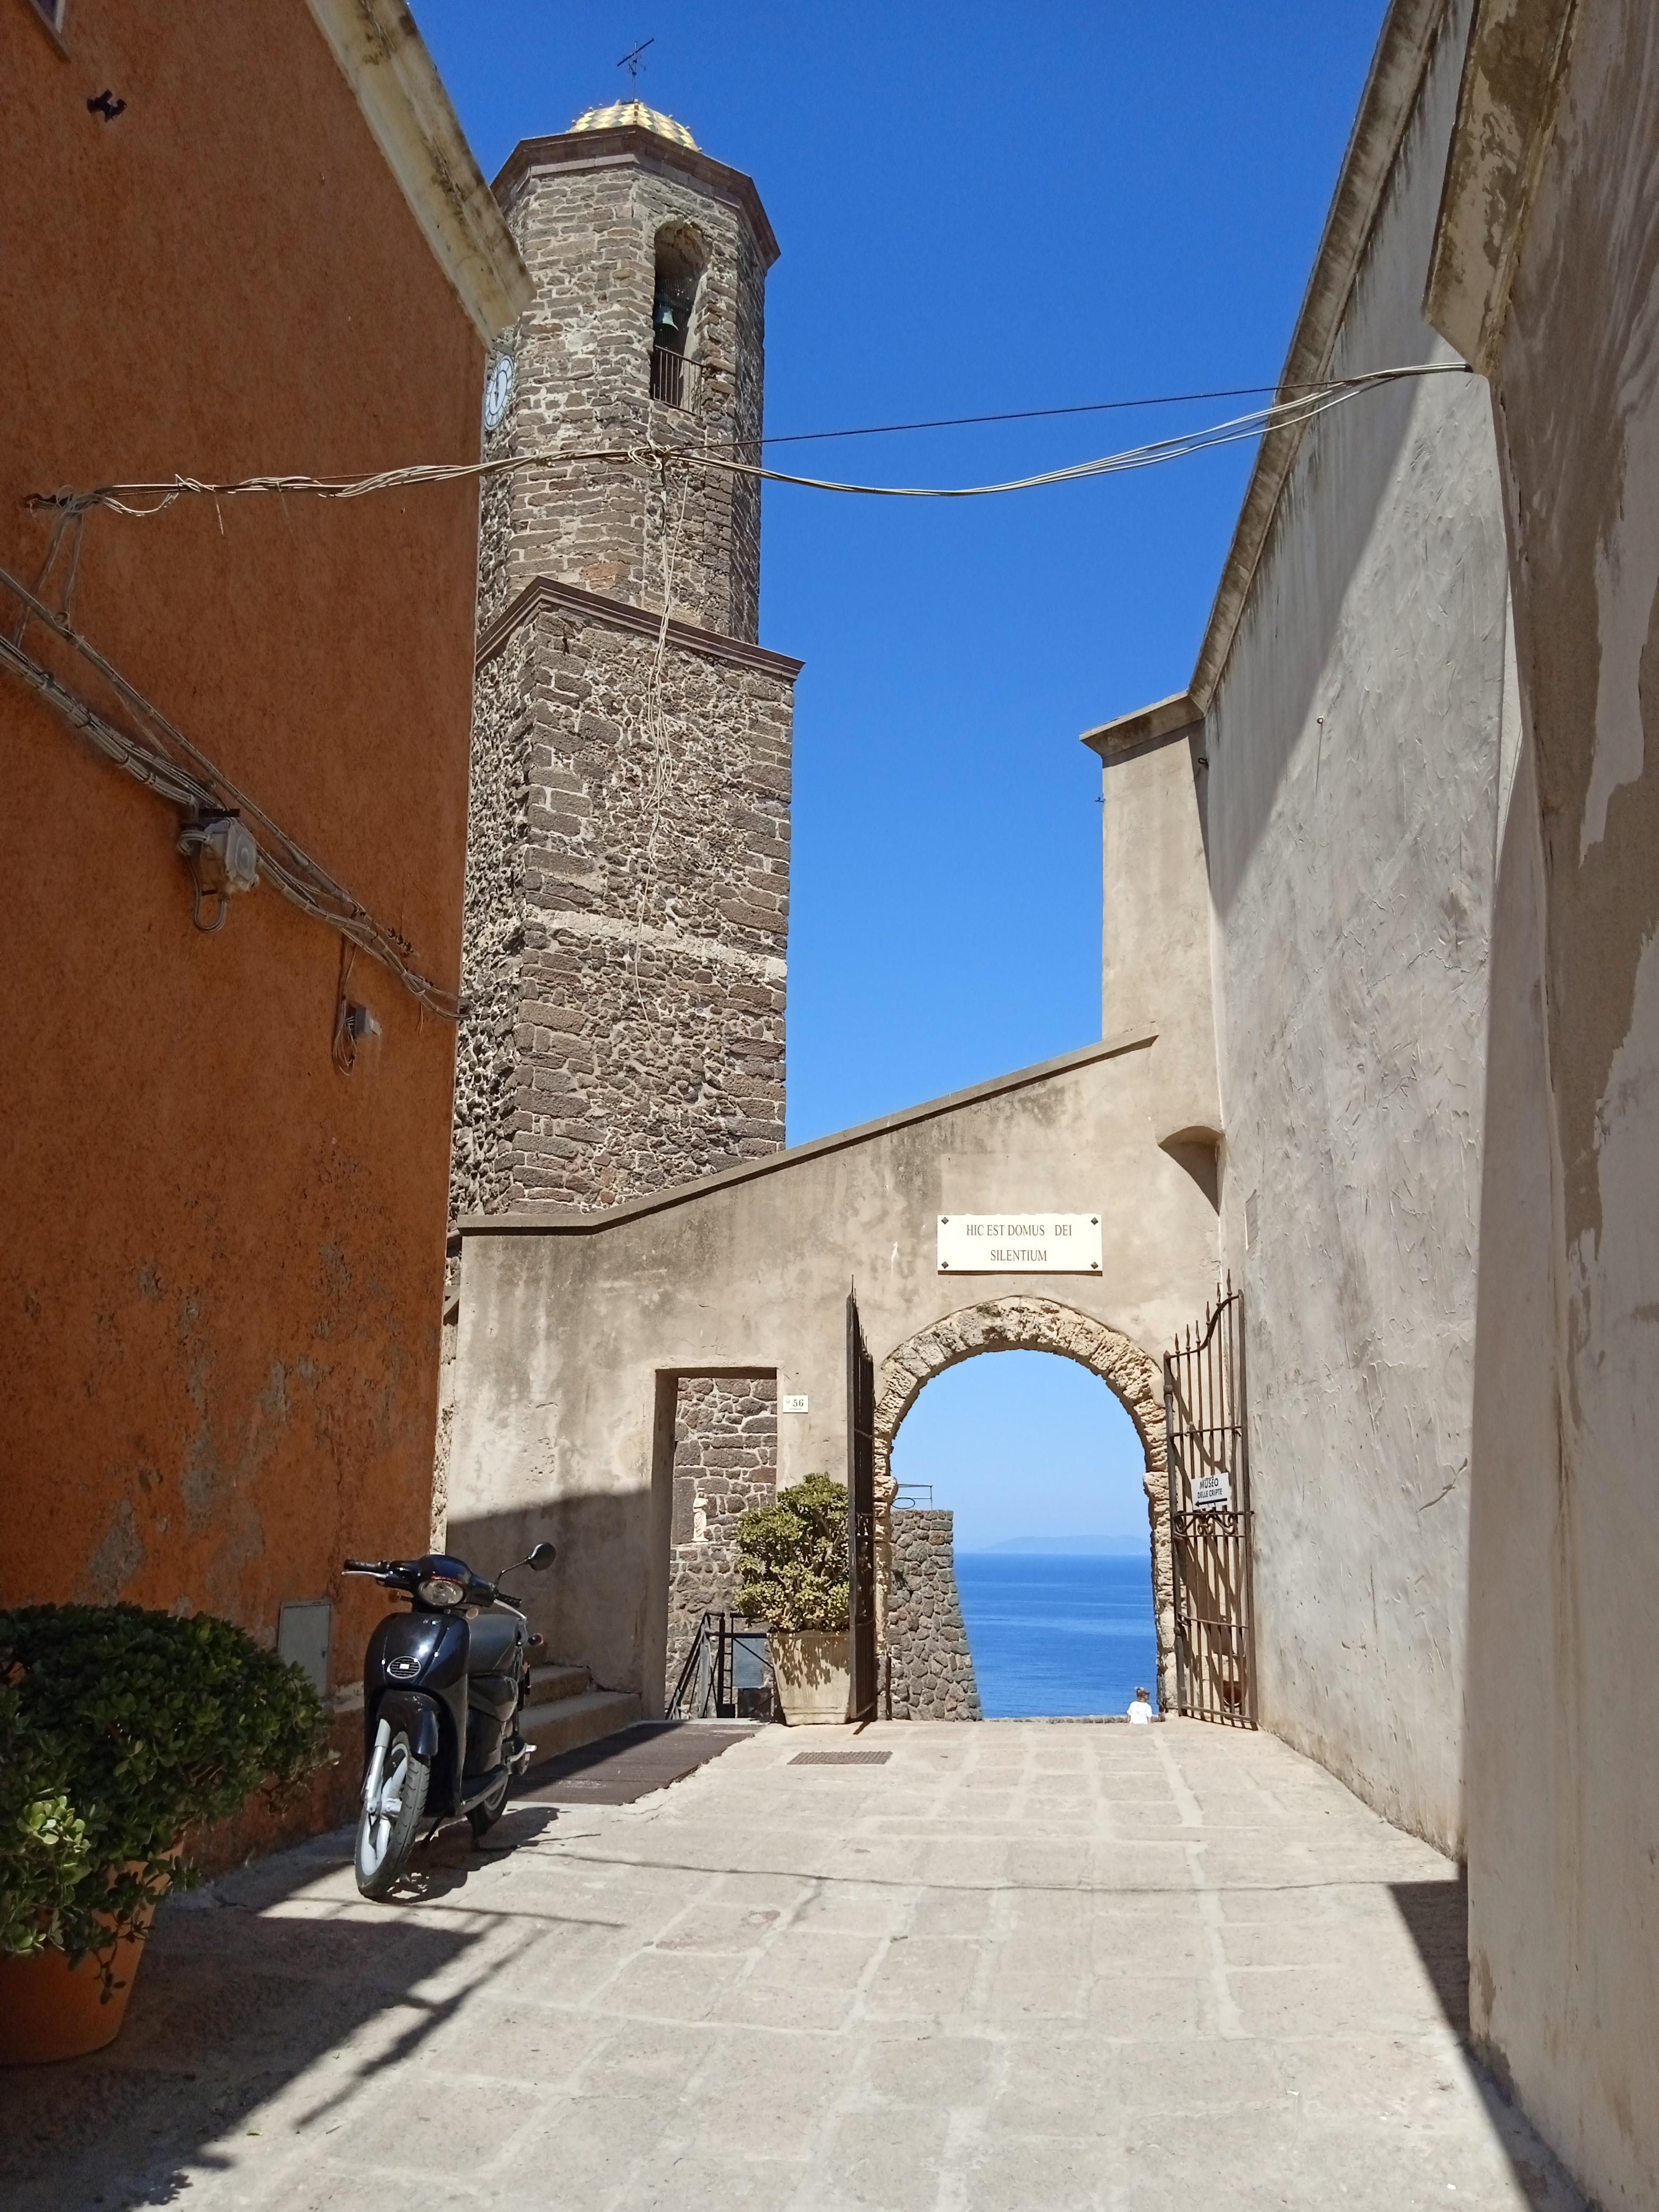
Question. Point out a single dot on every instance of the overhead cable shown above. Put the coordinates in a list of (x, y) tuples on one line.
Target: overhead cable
[(1047, 414), (1313, 400), (1288, 414)]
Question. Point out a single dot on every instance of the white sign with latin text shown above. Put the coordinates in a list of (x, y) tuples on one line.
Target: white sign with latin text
[(1019, 1243)]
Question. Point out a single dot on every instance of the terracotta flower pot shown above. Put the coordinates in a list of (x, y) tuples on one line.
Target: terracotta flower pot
[(810, 1668), (50, 2009)]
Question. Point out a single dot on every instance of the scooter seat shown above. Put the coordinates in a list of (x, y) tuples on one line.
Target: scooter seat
[(491, 1641)]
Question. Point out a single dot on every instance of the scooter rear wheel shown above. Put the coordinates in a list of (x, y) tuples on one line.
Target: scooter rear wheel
[(394, 1799)]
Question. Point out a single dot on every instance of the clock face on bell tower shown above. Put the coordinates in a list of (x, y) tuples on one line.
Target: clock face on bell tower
[(498, 391)]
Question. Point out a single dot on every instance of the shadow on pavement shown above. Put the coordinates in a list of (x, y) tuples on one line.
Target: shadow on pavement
[(618, 1769), (243, 1989), (1436, 1917)]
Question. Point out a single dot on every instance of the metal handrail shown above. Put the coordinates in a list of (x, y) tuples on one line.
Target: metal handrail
[(703, 1687)]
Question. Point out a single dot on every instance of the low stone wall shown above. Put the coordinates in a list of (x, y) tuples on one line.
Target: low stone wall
[(932, 1668)]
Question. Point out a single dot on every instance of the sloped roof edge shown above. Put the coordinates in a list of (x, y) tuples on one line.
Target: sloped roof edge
[(562, 1221), (1147, 726), (1385, 109), (649, 149), (384, 60)]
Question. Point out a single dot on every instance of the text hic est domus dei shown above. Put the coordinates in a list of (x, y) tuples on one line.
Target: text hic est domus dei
[(1019, 1243)]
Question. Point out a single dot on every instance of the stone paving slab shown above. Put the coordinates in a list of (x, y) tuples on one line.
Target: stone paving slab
[(1020, 1966), (615, 1770)]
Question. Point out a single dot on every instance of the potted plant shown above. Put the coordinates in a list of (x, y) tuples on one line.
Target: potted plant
[(119, 1728), (792, 1557)]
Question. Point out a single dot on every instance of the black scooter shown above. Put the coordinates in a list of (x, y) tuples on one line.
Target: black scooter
[(443, 1686)]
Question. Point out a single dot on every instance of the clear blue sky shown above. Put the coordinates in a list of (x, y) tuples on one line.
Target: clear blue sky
[(1025, 1445), (981, 207)]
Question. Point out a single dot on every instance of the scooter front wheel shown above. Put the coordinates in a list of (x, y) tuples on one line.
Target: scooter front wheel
[(394, 1799), (483, 1817)]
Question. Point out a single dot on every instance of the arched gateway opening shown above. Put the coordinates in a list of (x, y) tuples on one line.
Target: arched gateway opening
[(1036, 1325)]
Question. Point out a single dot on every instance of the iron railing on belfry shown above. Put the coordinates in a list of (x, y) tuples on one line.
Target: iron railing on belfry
[(1210, 1517), (726, 1675), (673, 378)]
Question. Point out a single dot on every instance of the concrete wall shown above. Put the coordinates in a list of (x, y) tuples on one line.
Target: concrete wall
[(1155, 923), (221, 1268), (1353, 745), (571, 1332), (1564, 1726)]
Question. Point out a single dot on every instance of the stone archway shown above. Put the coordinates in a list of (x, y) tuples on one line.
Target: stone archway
[(1027, 1324)]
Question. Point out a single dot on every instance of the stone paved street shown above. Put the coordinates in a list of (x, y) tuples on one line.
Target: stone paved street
[(1018, 1965)]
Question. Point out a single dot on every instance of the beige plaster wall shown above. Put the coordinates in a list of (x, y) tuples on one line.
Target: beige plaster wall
[(1155, 930), (570, 1332), (1354, 744), (1563, 1725)]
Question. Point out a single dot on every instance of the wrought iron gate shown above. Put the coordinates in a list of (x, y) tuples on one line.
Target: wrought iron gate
[(1210, 1520), (861, 1518)]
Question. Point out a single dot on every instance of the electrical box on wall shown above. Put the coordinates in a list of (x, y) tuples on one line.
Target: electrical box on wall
[(304, 1633)]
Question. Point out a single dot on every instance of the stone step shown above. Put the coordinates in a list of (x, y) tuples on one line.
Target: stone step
[(550, 1681), (562, 1724)]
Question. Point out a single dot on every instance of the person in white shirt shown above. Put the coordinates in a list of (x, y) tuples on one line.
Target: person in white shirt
[(1140, 1711)]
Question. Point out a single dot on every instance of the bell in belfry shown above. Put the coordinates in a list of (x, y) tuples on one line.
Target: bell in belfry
[(662, 318)]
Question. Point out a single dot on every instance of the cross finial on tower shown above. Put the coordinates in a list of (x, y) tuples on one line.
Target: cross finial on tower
[(630, 61)]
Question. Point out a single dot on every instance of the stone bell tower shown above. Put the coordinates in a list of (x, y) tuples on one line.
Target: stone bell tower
[(627, 854)]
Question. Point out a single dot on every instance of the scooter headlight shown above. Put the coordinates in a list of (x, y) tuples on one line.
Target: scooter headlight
[(440, 1589)]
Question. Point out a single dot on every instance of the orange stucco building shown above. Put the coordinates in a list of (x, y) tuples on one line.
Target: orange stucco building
[(237, 240)]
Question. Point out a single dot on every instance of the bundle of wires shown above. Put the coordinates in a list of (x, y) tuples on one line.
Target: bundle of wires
[(159, 756), (1304, 406)]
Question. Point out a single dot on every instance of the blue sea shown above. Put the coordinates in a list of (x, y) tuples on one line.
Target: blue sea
[(1058, 1634)]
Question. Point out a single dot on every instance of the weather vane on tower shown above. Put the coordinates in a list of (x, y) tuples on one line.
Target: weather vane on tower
[(630, 61)]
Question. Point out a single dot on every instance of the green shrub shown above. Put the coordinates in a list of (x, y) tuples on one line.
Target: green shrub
[(792, 1557), (119, 1728)]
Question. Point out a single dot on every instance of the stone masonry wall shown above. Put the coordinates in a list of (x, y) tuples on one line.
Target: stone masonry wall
[(932, 1669), (582, 381), (493, 929), (627, 917), (726, 1459)]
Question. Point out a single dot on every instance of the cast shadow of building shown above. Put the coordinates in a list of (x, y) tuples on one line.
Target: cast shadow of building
[(243, 1992)]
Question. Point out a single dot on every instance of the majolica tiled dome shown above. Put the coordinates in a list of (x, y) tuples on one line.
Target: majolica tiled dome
[(634, 114)]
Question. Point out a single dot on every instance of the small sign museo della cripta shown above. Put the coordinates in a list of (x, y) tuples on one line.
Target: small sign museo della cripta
[(1211, 1491), (1019, 1243)]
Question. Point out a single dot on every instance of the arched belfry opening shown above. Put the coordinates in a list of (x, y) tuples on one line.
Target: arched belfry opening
[(681, 259), (1037, 1325)]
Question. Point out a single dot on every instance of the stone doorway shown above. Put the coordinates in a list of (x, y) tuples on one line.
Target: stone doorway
[(722, 1458), (1030, 1324)]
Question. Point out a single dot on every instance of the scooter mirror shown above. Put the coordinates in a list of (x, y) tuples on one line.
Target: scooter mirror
[(542, 1557)]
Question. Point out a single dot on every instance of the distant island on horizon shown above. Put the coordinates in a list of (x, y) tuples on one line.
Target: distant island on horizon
[(1095, 1546)]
